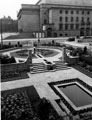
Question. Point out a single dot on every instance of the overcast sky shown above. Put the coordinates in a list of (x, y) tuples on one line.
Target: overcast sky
[(11, 7)]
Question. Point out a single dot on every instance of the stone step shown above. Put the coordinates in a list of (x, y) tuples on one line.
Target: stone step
[(39, 71), (37, 67), (64, 68), (37, 64)]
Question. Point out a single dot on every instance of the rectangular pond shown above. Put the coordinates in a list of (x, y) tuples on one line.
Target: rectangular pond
[(78, 96)]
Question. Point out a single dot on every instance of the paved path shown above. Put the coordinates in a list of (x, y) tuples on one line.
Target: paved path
[(38, 60), (82, 45), (40, 81)]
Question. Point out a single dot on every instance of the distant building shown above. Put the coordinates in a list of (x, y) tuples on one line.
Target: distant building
[(8, 24), (56, 18)]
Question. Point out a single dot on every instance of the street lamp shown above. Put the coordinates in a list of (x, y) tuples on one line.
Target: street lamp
[(1, 35)]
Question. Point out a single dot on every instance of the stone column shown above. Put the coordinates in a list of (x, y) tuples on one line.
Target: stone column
[(29, 60), (64, 54)]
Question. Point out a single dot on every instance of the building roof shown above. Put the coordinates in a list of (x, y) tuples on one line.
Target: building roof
[(67, 2)]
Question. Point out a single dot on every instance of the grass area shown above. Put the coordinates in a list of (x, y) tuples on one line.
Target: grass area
[(23, 75), (20, 36), (83, 70), (21, 54), (47, 52)]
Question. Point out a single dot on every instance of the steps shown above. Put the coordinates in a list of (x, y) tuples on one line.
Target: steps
[(61, 66), (38, 68)]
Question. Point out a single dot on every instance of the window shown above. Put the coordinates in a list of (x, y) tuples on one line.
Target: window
[(71, 19), (60, 11), (66, 19), (55, 34), (82, 12), (60, 19), (77, 26), (72, 12), (77, 19), (66, 34), (72, 26), (66, 11), (82, 19), (88, 12), (60, 34), (66, 26), (45, 21), (60, 26), (77, 12), (88, 19)]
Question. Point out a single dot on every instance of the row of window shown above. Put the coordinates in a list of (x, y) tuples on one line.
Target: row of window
[(72, 19), (69, 26), (77, 12), (55, 34)]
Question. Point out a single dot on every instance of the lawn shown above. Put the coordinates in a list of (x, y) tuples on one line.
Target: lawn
[(21, 54), (23, 75), (47, 52)]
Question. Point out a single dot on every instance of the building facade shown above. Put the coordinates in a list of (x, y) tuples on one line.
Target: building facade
[(56, 18)]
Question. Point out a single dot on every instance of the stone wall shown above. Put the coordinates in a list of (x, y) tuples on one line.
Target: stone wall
[(29, 21), (17, 66), (69, 59)]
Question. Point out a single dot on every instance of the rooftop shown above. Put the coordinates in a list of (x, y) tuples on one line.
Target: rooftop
[(67, 2)]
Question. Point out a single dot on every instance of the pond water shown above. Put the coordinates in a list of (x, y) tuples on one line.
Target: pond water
[(77, 95)]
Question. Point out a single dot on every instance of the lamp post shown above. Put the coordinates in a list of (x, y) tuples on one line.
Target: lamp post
[(1, 35)]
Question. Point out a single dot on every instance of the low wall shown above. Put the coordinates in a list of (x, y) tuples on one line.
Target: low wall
[(6, 50), (72, 60), (14, 67), (17, 66)]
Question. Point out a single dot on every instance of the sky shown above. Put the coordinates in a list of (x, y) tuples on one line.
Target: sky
[(11, 7)]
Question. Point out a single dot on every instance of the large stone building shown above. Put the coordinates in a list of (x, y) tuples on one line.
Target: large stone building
[(56, 18)]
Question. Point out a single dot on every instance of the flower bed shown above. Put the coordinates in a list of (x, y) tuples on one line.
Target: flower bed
[(22, 104), (85, 66), (16, 106), (24, 53)]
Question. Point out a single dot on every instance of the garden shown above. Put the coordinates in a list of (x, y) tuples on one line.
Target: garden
[(25, 104), (46, 52), (23, 53)]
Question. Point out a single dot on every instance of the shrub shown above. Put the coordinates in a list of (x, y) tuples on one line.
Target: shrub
[(85, 50), (73, 53), (57, 44), (70, 48), (5, 59), (90, 68), (53, 42), (79, 51), (87, 59), (82, 64)]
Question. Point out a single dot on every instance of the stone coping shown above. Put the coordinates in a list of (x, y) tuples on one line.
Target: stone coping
[(68, 103)]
